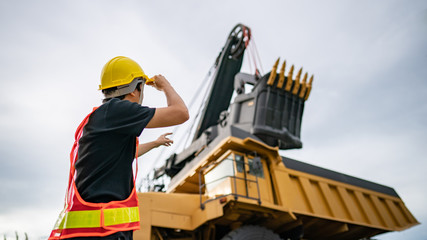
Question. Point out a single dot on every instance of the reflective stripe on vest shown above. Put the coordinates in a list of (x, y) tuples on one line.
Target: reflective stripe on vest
[(91, 218), (85, 219)]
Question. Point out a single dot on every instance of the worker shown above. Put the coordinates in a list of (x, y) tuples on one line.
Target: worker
[(101, 200)]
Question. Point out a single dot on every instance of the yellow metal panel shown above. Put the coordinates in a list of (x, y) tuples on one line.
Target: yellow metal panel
[(339, 207), (299, 201), (313, 196), (396, 213), (281, 185), (367, 209), (187, 187), (312, 200), (240, 185), (409, 218), (383, 213), (179, 203), (329, 230), (331, 201), (351, 205), (322, 206), (212, 210), (336, 183), (180, 211), (145, 211), (170, 220)]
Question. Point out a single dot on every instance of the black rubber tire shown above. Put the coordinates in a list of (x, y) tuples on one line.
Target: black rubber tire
[(251, 232)]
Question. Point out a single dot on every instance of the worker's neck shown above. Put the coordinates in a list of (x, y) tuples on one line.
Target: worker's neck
[(133, 97), (130, 98)]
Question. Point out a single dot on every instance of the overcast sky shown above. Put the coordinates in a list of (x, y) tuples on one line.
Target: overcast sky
[(366, 116)]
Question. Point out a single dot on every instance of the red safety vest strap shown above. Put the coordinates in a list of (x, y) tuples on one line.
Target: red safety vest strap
[(84, 219)]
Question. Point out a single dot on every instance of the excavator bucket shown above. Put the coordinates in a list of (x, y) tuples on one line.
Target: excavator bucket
[(280, 106)]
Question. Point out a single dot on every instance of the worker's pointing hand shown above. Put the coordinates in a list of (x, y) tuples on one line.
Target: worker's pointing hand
[(163, 140), (159, 82)]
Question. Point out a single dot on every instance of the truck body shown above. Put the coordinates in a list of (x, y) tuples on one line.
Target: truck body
[(232, 183)]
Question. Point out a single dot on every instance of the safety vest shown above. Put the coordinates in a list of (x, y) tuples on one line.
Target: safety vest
[(84, 219)]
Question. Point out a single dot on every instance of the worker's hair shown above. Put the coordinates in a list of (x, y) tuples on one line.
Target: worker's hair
[(113, 89)]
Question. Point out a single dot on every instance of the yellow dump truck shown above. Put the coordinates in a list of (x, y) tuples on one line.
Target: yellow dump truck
[(231, 182)]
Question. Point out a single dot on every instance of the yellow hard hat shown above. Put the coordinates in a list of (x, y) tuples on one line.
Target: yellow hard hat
[(120, 71)]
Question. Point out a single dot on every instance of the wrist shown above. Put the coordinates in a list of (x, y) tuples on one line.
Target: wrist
[(157, 143)]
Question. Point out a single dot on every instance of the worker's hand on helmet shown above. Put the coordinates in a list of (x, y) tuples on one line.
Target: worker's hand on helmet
[(163, 140), (159, 82)]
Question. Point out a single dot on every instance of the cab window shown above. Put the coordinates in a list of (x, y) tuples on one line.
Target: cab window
[(219, 173), (240, 162), (255, 167)]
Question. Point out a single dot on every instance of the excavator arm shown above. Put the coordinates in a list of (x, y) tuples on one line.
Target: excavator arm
[(271, 112), (227, 65)]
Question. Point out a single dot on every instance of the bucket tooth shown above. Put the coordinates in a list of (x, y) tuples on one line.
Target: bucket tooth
[(289, 80), (281, 75), (273, 73), (309, 86), (297, 83), (303, 86)]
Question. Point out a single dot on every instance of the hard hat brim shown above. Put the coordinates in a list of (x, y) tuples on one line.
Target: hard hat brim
[(126, 88)]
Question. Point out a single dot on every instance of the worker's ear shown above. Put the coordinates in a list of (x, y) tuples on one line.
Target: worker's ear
[(134, 93)]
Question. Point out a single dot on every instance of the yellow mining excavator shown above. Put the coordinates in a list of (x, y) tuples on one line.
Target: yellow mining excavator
[(231, 183)]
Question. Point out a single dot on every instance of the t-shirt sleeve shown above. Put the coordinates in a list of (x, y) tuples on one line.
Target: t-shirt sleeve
[(127, 117)]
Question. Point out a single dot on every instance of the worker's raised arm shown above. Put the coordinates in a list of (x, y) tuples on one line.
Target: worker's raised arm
[(175, 113)]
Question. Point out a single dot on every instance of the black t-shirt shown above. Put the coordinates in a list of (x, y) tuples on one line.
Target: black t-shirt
[(107, 150)]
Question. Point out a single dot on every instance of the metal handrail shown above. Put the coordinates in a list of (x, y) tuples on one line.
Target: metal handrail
[(234, 177)]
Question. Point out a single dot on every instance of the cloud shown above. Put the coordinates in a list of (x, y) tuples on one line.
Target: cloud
[(367, 110)]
